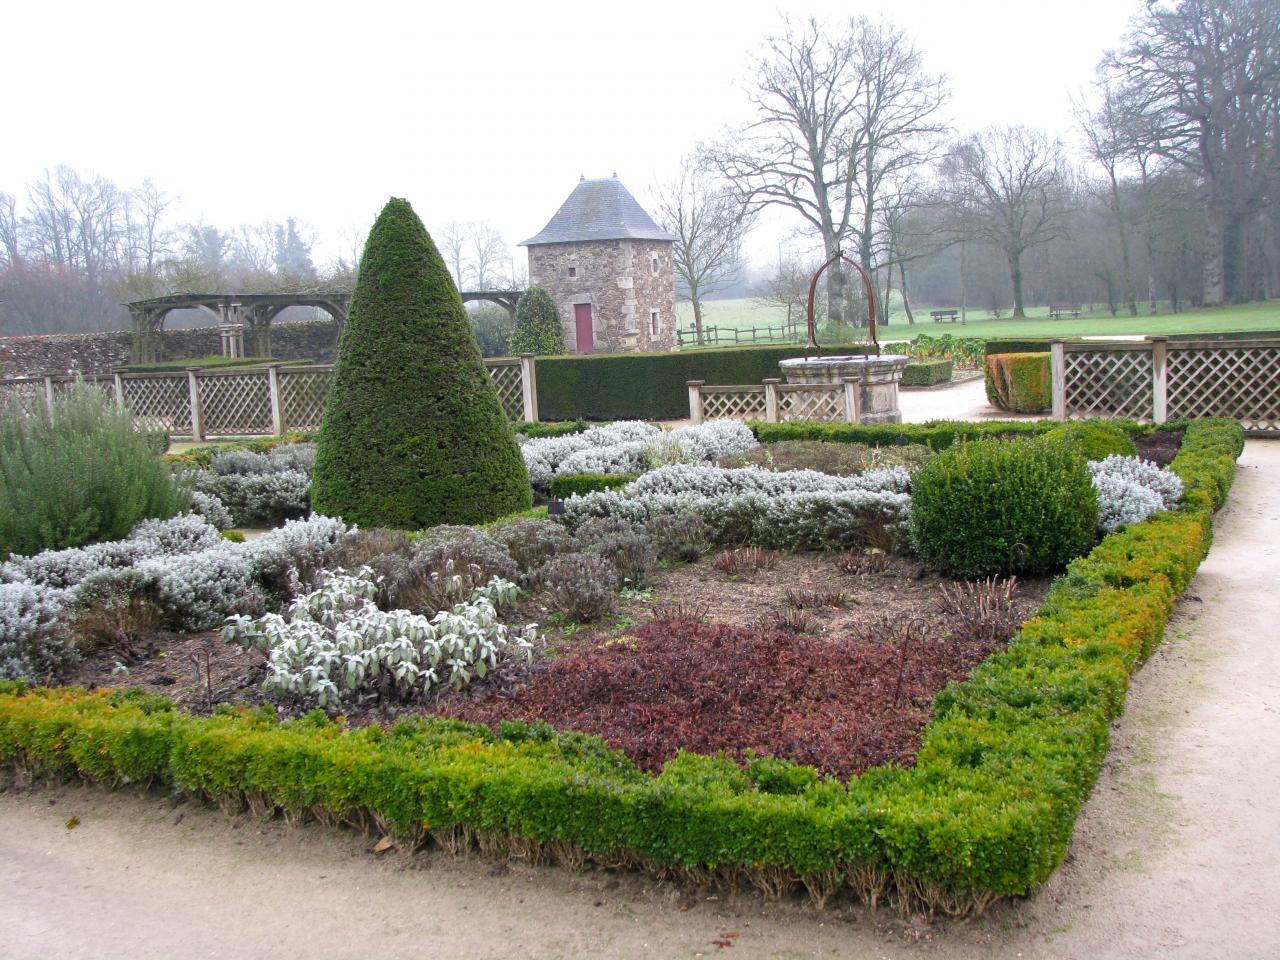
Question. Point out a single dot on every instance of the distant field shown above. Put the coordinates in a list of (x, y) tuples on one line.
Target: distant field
[(1254, 316)]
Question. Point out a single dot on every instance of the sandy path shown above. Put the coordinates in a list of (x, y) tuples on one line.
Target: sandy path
[(1177, 853)]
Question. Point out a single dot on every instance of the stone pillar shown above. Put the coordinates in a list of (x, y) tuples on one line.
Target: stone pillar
[(695, 401), (1159, 379), (771, 399), (529, 386), (1058, 378)]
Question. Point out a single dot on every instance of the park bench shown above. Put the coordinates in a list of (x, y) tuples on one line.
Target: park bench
[(940, 315), (1059, 310)]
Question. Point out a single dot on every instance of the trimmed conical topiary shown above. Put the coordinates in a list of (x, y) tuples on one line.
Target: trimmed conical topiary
[(538, 328), (413, 433)]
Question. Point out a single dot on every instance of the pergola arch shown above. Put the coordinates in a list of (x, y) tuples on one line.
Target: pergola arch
[(251, 313)]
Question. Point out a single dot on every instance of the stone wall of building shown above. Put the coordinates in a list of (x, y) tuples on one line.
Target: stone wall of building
[(626, 282), (102, 352)]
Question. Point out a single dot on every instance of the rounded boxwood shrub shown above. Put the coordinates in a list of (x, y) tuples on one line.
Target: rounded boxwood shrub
[(1003, 506), (1098, 439), (413, 433), (538, 328), (1019, 382)]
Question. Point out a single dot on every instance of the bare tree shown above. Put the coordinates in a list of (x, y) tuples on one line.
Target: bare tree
[(708, 220), (900, 120), (1205, 76), (10, 231), (490, 255), (452, 241), (788, 287), (800, 152), (1108, 143), (1008, 180)]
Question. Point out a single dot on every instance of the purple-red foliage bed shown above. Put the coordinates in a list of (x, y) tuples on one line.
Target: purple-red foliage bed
[(837, 703)]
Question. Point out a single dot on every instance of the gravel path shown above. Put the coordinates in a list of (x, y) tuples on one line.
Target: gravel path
[(1177, 854)]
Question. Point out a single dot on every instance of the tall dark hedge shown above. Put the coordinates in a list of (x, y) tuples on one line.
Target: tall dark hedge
[(651, 386), (538, 327), (413, 432)]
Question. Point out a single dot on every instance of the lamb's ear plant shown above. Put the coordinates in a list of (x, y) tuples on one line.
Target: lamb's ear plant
[(78, 472)]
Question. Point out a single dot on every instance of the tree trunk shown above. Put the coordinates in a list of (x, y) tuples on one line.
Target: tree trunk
[(902, 283), (697, 316), (1015, 277), (1215, 286), (1130, 299)]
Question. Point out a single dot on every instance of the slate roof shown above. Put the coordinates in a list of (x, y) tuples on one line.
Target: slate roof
[(599, 210)]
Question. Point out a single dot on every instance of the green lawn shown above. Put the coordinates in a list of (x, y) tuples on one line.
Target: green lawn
[(1253, 316)]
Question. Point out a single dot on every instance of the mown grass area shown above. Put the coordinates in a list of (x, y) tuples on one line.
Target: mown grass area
[(1247, 317)]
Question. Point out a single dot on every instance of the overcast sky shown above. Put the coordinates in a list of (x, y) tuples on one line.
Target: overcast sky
[(472, 110)]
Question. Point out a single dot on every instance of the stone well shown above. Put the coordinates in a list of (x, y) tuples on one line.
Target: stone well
[(878, 379)]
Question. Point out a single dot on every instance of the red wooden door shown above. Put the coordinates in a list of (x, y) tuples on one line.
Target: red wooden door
[(582, 321)]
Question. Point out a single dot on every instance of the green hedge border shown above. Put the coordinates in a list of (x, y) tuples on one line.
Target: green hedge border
[(566, 485), (926, 373), (987, 810), (652, 386)]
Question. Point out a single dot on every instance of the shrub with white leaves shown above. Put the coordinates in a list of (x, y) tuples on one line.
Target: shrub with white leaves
[(335, 646), (632, 447), (151, 538), (34, 642), (212, 509), (259, 499), (798, 509), (288, 456), (1130, 490), (196, 591)]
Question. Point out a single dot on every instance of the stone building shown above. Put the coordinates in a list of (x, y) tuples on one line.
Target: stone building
[(608, 267)]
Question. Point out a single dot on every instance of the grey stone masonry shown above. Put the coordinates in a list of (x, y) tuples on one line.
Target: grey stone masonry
[(628, 283), (603, 251)]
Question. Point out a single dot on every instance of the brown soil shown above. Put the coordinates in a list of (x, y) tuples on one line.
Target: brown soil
[(191, 669), (1174, 856), (1159, 446)]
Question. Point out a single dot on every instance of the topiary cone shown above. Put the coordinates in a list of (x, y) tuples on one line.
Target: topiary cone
[(413, 434)]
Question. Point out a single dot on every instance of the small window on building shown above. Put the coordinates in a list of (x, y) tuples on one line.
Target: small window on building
[(573, 271), (653, 321), (653, 265)]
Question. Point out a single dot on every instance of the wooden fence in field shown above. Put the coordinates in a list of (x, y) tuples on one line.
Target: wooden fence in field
[(1157, 380), (244, 401)]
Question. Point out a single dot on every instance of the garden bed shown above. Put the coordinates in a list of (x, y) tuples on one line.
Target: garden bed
[(1008, 753)]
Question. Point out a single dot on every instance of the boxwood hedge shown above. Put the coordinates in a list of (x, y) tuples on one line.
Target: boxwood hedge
[(987, 810), (926, 373), (651, 386)]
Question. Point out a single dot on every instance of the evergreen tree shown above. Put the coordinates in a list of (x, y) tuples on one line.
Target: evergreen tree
[(538, 328), (413, 434)]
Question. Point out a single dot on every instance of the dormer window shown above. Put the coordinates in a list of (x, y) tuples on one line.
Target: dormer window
[(573, 272)]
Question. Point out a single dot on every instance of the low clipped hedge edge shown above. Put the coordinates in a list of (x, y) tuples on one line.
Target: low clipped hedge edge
[(926, 373), (987, 811)]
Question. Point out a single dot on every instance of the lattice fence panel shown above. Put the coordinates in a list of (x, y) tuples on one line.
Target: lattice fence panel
[(509, 382), (1241, 383), (235, 403), (302, 396), (160, 403), (823, 404), (27, 394), (745, 404), (1109, 383)]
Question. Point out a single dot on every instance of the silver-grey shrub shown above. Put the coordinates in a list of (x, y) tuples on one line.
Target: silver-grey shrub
[(1130, 490), (212, 509), (286, 457), (34, 641), (632, 447), (259, 499)]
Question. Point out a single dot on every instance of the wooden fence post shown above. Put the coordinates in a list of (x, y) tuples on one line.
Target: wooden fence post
[(193, 393), (273, 390), (695, 401), (1058, 378), (1159, 379), (48, 393), (771, 400), (851, 396), (529, 386), (119, 389)]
